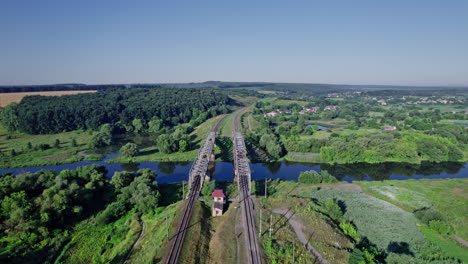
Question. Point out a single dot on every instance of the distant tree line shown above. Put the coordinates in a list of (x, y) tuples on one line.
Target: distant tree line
[(163, 106), (70, 87)]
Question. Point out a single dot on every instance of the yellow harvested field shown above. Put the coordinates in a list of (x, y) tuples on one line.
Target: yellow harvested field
[(8, 98)]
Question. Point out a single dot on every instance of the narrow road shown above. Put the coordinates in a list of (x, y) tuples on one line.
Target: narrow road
[(297, 226), (461, 241)]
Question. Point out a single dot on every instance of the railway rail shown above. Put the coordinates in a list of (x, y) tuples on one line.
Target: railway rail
[(196, 178), (243, 175)]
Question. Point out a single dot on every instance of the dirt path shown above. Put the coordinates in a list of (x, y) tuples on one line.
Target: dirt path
[(238, 230), (347, 187), (248, 120), (297, 226), (136, 242), (461, 241)]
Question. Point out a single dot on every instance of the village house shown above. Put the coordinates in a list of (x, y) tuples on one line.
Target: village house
[(330, 108), (389, 128), (271, 114), (313, 109), (219, 199), (287, 111)]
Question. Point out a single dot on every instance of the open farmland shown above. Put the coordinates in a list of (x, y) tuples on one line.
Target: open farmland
[(8, 98)]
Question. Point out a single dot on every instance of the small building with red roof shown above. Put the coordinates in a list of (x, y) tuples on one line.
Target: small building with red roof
[(219, 199)]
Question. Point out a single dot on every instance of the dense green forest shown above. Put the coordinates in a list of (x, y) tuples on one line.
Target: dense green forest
[(43, 115), (39, 210)]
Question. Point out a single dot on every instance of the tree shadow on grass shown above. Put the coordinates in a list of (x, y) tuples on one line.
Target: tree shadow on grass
[(400, 248)]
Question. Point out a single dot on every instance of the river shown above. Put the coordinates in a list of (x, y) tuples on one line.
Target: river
[(170, 172)]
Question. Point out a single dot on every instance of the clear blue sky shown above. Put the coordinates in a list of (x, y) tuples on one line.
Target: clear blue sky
[(353, 42)]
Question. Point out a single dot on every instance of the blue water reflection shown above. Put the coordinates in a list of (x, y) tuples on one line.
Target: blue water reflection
[(171, 172)]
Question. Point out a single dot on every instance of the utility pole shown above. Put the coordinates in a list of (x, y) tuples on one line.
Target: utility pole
[(265, 188), (260, 233), (167, 229), (183, 190), (271, 219), (293, 253)]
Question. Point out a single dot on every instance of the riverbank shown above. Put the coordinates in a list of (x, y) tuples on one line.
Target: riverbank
[(23, 150), (315, 158), (152, 154)]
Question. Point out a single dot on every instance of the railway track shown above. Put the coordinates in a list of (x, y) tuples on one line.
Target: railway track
[(178, 239), (198, 168), (243, 175)]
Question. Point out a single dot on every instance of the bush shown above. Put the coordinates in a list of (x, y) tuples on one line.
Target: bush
[(129, 150), (208, 188), (314, 177), (431, 253), (427, 214), (112, 212), (357, 257), (309, 177), (349, 230), (333, 210), (327, 177), (441, 227), (394, 258)]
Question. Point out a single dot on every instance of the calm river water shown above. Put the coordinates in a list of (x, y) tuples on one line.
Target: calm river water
[(170, 172)]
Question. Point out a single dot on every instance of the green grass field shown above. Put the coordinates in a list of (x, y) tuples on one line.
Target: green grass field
[(324, 236), (376, 114), (26, 157), (449, 246), (381, 222), (224, 236), (197, 239), (449, 196), (93, 243), (303, 156), (153, 243), (226, 126), (443, 107), (288, 102)]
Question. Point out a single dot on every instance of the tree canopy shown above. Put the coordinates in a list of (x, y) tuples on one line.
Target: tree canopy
[(133, 107)]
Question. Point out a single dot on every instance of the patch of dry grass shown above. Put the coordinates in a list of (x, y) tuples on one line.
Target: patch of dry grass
[(8, 98)]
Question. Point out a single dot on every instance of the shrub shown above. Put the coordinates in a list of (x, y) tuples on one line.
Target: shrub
[(333, 210), (357, 257), (441, 227), (208, 188), (314, 177), (309, 177), (426, 215), (112, 212), (349, 230), (327, 177), (129, 150), (394, 258), (431, 253)]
